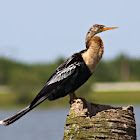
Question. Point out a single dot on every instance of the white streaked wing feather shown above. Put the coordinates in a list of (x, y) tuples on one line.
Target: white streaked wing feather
[(63, 74)]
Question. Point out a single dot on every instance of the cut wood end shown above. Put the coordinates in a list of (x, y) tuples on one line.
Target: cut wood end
[(129, 107)]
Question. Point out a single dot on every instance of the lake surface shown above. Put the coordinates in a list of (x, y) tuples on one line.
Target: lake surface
[(43, 125)]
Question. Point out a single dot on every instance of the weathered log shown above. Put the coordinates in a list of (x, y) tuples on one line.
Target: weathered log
[(94, 121)]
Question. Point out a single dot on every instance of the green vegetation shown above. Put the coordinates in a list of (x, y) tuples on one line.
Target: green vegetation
[(25, 81), (115, 98)]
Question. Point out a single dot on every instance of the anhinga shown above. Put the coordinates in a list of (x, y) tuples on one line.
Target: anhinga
[(71, 74)]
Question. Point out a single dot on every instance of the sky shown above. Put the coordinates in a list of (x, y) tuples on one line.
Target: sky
[(39, 31)]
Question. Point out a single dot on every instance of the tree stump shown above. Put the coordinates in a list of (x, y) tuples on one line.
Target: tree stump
[(94, 121)]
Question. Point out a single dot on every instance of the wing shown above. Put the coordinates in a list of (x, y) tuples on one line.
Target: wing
[(61, 75), (64, 70)]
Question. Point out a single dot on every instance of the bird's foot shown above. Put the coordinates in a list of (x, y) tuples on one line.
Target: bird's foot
[(73, 98), (72, 101)]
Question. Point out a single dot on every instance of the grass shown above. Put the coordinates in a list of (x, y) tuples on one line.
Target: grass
[(119, 98), (8, 101)]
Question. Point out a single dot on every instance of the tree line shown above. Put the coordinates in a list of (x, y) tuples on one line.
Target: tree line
[(27, 79)]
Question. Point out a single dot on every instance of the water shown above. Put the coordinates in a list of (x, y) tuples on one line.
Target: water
[(36, 125), (137, 118), (43, 125)]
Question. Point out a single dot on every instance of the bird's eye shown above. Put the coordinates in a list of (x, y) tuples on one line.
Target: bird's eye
[(102, 26)]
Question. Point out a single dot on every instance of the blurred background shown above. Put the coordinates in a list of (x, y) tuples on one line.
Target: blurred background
[(37, 36)]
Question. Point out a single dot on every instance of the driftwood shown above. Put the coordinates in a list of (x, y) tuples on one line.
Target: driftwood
[(94, 121)]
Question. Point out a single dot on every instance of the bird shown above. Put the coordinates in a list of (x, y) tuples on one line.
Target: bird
[(70, 75)]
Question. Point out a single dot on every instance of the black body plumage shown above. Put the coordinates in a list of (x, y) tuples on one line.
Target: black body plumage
[(69, 76)]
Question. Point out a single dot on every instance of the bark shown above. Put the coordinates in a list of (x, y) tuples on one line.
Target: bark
[(94, 121)]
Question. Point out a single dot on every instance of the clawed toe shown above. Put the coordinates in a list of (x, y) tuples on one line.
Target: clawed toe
[(72, 101)]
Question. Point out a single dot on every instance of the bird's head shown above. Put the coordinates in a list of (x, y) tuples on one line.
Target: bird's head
[(95, 29)]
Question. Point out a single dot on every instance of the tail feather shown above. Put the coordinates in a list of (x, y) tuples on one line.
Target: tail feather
[(15, 117), (21, 113)]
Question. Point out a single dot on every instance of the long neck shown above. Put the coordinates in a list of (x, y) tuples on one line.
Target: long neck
[(94, 53), (89, 36)]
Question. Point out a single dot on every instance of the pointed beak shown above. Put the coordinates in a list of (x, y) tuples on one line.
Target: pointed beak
[(109, 28)]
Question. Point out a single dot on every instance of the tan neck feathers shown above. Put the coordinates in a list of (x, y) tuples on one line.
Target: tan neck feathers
[(94, 52)]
